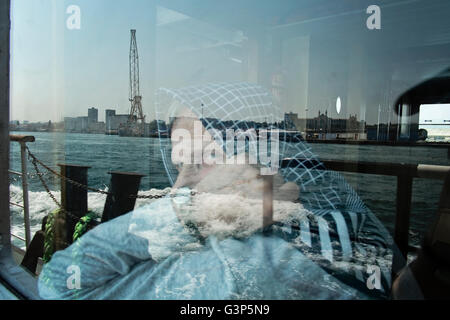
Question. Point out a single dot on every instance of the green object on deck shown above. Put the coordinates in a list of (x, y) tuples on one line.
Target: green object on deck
[(54, 231), (83, 225), (49, 240)]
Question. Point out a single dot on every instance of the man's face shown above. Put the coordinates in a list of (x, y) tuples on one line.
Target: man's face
[(189, 140), (243, 179)]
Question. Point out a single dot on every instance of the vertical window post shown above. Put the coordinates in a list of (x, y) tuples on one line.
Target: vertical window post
[(5, 228)]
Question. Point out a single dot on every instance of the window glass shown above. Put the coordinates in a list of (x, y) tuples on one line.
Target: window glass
[(183, 131)]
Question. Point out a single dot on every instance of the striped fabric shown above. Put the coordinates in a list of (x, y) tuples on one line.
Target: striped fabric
[(341, 234), (332, 240)]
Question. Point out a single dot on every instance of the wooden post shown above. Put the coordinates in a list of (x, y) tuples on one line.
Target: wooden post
[(401, 233), (267, 201), (73, 198), (124, 187)]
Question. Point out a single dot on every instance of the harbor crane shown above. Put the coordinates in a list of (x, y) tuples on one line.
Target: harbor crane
[(136, 120)]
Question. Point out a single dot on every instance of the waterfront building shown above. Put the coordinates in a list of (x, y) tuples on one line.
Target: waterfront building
[(324, 127), (113, 121), (92, 115)]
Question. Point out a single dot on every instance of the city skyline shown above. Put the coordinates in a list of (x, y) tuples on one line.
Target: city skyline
[(320, 127)]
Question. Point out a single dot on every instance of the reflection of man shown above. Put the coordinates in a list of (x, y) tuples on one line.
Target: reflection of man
[(205, 240), (195, 247)]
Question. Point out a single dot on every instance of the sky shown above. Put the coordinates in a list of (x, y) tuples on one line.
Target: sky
[(57, 72), (434, 114)]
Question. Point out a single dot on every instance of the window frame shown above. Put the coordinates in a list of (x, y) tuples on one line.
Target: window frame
[(13, 278)]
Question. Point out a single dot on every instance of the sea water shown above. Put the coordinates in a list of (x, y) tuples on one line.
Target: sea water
[(104, 153)]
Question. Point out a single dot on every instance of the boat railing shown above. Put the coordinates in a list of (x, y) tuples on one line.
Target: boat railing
[(23, 140)]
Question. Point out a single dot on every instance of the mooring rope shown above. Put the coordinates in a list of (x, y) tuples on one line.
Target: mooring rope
[(49, 240), (84, 225)]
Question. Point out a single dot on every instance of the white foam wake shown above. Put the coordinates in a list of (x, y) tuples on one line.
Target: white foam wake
[(224, 215), (40, 205)]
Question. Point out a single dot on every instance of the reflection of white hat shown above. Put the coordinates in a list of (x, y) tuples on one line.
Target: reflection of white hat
[(219, 106)]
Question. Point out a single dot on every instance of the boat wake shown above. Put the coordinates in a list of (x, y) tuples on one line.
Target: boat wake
[(41, 205)]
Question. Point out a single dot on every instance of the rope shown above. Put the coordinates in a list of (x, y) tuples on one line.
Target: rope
[(49, 236), (84, 225), (49, 247)]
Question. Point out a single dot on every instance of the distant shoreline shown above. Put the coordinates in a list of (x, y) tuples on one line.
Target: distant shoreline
[(345, 142)]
